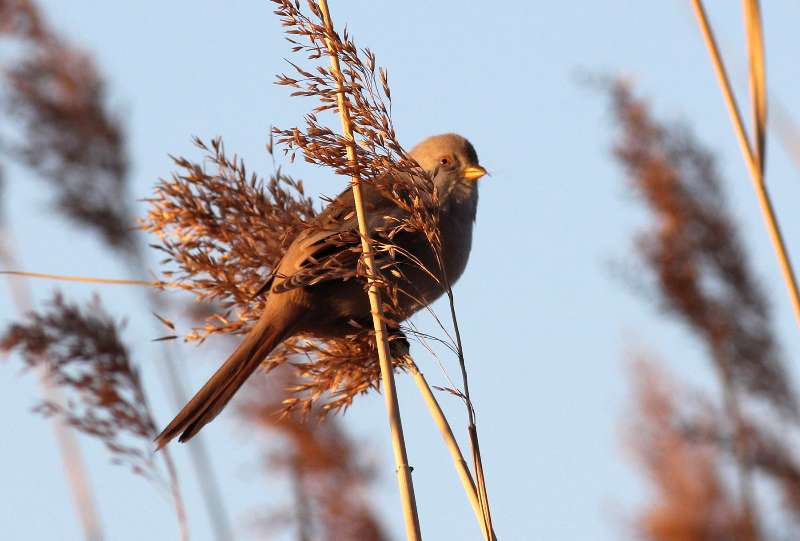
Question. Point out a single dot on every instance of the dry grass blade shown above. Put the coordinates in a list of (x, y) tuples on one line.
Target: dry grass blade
[(84, 279), (477, 460), (166, 322), (752, 160), (84, 357)]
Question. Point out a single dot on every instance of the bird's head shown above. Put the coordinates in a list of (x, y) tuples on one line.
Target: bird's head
[(451, 160)]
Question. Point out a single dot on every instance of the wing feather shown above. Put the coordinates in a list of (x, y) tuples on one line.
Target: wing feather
[(330, 248)]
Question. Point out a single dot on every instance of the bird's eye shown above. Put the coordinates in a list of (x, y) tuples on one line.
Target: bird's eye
[(444, 161)]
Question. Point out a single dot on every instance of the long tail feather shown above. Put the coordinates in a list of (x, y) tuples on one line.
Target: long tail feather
[(220, 388)]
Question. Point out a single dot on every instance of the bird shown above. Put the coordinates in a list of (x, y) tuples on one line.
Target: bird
[(307, 293)]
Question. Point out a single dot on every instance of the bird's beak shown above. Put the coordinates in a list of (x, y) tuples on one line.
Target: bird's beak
[(473, 172)]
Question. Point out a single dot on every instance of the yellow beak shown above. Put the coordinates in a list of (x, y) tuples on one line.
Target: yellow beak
[(473, 172)]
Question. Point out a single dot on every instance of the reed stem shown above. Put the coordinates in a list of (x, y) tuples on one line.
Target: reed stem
[(177, 498), (376, 305), (452, 446), (753, 159)]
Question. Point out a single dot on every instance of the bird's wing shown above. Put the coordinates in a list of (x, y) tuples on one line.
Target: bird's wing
[(331, 247)]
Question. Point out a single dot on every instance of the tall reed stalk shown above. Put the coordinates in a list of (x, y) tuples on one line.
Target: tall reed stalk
[(376, 304), (753, 152)]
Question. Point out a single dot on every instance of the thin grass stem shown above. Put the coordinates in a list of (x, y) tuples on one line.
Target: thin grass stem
[(198, 453), (177, 498), (84, 279), (472, 428)]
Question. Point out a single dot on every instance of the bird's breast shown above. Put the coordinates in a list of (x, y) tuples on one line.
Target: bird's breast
[(422, 288), (456, 246)]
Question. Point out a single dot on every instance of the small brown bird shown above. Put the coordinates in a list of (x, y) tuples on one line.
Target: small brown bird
[(304, 297)]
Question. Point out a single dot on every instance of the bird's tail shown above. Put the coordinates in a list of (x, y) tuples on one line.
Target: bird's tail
[(217, 392)]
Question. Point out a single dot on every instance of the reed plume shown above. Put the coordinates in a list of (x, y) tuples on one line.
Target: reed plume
[(691, 500), (694, 253), (222, 231), (700, 276), (69, 138), (82, 354)]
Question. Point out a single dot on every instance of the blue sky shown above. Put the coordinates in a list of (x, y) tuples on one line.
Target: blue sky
[(547, 326)]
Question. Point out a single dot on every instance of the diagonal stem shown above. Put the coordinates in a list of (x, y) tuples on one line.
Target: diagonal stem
[(472, 428), (452, 446), (752, 161), (483, 495), (177, 498), (198, 452)]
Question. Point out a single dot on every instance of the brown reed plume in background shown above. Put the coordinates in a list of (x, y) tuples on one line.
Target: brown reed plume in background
[(21, 25), (691, 500), (701, 277), (84, 357), (695, 254), (66, 442), (67, 134), (683, 445), (84, 354), (328, 476)]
